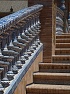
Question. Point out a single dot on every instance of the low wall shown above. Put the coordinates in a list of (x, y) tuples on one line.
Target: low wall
[(28, 78)]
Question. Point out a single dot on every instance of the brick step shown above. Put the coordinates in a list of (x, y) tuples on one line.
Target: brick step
[(61, 58), (54, 67), (51, 78), (62, 51), (62, 36), (47, 89), (67, 40), (62, 45)]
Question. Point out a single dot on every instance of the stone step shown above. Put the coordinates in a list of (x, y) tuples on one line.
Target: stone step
[(47, 89), (54, 67), (62, 51), (61, 59), (51, 78), (67, 40), (62, 36), (62, 45)]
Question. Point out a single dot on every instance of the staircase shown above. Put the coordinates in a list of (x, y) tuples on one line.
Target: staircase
[(54, 78)]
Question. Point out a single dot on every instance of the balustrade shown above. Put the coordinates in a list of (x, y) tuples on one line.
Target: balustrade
[(69, 22), (19, 39), (61, 19)]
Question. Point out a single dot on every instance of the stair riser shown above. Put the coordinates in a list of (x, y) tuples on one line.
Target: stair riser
[(61, 37), (62, 52), (62, 41), (54, 80), (62, 45), (61, 59), (47, 91), (54, 68)]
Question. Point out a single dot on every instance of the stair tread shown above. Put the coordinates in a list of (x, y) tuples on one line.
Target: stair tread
[(47, 86), (63, 43), (63, 39), (52, 74), (54, 63), (60, 55), (63, 35), (62, 48)]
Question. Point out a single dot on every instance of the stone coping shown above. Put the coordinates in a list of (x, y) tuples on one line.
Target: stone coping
[(7, 20)]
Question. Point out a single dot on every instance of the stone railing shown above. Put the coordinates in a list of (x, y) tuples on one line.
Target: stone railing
[(61, 22), (19, 46), (69, 23)]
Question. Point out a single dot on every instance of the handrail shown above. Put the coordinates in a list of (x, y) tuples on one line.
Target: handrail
[(60, 11), (8, 20)]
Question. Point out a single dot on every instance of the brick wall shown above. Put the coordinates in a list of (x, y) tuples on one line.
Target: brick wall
[(46, 30)]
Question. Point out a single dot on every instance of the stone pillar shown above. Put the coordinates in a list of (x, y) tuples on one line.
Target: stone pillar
[(46, 30)]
